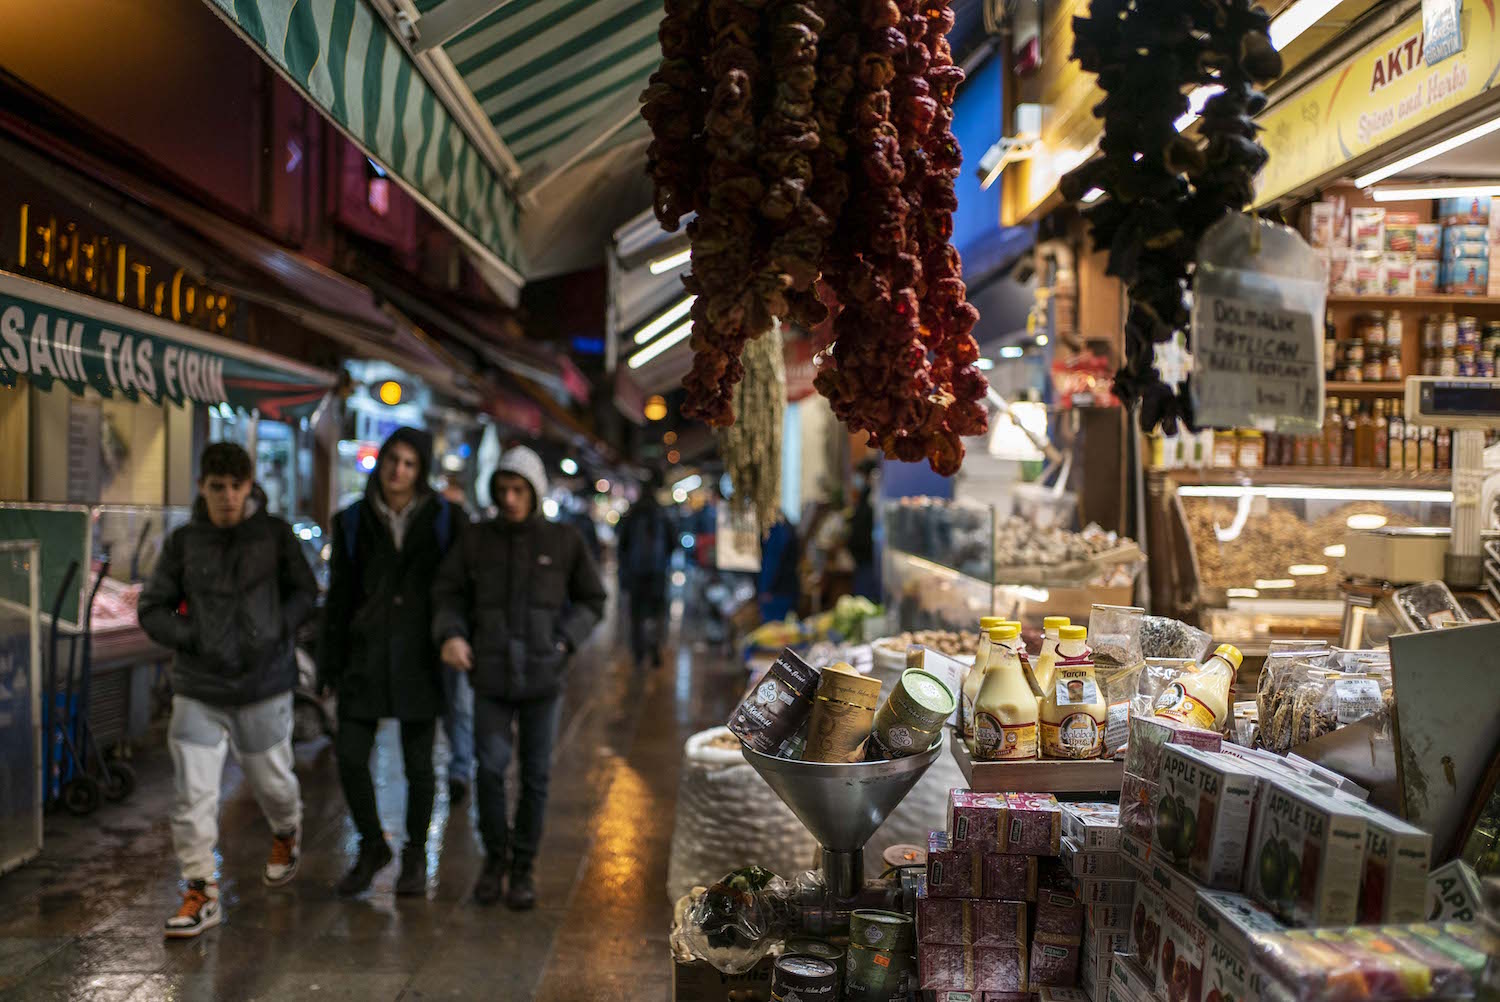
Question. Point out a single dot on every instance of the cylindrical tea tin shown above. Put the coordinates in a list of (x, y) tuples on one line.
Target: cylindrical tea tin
[(879, 968), (842, 715), (911, 718), (777, 706), (803, 977)]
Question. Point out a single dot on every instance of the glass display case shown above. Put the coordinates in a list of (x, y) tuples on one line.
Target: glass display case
[(1262, 559), (948, 563)]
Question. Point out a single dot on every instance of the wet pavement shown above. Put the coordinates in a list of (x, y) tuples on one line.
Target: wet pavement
[(84, 921)]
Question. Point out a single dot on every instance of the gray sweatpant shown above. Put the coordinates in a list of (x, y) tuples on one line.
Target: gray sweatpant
[(201, 735)]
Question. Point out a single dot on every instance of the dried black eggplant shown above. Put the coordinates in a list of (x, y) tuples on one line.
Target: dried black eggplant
[(1165, 189)]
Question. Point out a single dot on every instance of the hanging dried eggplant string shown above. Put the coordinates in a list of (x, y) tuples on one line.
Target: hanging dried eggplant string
[(826, 131), (1164, 189), (723, 234), (673, 104), (751, 447)]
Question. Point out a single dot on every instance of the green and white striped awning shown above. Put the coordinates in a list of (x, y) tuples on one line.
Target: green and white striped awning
[(474, 105), (554, 76), (343, 56)]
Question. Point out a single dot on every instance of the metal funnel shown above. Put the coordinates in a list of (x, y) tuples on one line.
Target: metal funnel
[(842, 804)]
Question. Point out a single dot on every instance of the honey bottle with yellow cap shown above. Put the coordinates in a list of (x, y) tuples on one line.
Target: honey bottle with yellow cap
[(1046, 660), (1005, 711), (975, 678), (1201, 698), (1074, 711)]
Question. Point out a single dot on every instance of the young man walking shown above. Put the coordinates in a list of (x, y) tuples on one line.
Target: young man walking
[(227, 596), (377, 647), (514, 599)]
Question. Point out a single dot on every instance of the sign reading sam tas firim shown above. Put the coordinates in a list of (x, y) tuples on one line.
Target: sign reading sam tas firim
[(49, 335)]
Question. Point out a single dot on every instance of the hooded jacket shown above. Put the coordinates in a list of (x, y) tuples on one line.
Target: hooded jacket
[(525, 595), (377, 648), (228, 603)]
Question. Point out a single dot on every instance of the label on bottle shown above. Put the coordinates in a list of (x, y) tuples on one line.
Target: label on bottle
[(1176, 703), (1079, 735), (1077, 691), (995, 741)]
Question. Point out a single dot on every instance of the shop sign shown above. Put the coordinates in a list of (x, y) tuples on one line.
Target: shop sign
[(1256, 359), (66, 249), (1374, 98), (52, 336)]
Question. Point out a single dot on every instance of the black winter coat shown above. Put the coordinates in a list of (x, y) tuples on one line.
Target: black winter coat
[(377, 648), (246, 590), (525, 595)]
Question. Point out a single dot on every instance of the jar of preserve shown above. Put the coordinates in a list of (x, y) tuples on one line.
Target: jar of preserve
[(1354, 352), (1370, 328), (1393, 330), (1393, 371), (1447, 363), (1374, 365), (1468, 331), (1352, 373), (1430, 334), (1448, 331)]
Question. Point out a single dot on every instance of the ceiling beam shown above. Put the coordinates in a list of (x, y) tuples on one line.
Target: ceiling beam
[(447, 20)]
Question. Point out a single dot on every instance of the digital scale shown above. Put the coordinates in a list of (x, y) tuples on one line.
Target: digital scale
[(1469, 407)]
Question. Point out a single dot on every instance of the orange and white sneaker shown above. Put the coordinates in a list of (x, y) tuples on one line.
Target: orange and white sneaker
[(200, 910), (286, 851)]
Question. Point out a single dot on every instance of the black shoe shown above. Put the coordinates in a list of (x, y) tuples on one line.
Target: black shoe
[(522, 894), (372, 859), (491, 886), (413, 879), (458, 791)]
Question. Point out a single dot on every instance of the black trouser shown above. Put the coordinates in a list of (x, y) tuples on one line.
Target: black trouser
[(648, 607), (355, 741), (527, 728)]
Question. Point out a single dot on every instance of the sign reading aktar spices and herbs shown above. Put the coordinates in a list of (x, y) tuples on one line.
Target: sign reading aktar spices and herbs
[(49, 335)]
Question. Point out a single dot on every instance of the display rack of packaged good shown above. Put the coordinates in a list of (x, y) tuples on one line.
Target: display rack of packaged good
[(1038, 775)]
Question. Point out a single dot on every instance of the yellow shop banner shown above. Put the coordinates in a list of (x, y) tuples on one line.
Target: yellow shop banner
[(1379, 95)]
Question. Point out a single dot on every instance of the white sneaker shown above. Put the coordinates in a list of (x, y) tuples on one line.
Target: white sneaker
[(286, 852), (200, 910)]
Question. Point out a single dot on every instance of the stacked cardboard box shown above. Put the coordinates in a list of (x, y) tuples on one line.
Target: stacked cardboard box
[(1091, 853), (997, 858)]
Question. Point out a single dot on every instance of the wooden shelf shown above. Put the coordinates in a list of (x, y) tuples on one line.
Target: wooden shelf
[(1431, 299), (1395, 388), (1037, 776), (1308, 476)]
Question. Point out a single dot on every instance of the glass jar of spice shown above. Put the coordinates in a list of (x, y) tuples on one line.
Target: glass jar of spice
[(1393, 372), (1447, 363), (1448, 331)]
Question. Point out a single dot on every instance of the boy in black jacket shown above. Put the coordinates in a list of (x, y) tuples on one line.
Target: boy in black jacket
[(227, 596), (377, 645), (511, 604)]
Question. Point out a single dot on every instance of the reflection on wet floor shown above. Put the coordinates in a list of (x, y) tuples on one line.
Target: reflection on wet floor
[(84, 921)]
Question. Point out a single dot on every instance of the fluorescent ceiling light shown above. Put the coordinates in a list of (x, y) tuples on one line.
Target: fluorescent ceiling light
[(1434, 191), (1346, 494), (666, 341), (1336, 550), (664, 321), (1012, 351), (1242, 593), (1275, 584), (663, 265), (985, 364), (1307, 570), (1197, 98), (1365, 521), (1297, 18), (1424, 155), (1093, 195)]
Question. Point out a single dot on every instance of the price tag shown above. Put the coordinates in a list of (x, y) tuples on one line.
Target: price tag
[(1257, 363)]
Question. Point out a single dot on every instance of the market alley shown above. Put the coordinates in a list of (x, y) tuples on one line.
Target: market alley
[(84, 921)]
